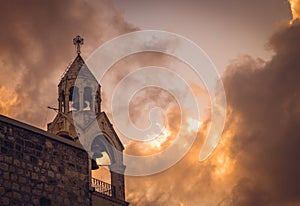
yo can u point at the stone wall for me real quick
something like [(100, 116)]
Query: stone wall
[(38, 168)]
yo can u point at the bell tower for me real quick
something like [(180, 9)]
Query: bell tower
[(79, 118), (72, 98)]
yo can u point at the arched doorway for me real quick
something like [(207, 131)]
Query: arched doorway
[(102, 158)]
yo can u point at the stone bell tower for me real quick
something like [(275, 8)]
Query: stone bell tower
[(72, 98), (79, 118)]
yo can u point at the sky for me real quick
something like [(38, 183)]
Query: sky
[(223, 29), (255, 47)]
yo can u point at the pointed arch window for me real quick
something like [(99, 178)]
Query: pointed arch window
[(62, 100), (87, 99), (74, 99), (102, 159)]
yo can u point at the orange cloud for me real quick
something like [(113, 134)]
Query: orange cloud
[(254, 163), (8, 99), (189, 182), (295, 7), (160, 141), (35, 48)]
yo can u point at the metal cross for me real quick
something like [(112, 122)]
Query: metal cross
[(78, 41)]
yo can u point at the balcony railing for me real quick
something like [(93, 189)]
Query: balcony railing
[(103, 187)]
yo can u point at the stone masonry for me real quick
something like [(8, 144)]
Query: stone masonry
[(38, 168)]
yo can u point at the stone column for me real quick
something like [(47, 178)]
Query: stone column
[(81, 103), (67, 101), (117, 180)]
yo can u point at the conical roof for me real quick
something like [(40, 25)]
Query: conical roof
[(78, 67)]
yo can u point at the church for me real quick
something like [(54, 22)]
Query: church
[(71, 163)]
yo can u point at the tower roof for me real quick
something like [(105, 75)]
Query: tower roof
[(78, 68), (73, 70), (78, 65)]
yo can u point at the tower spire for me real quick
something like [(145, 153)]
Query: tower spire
[(78, 41)]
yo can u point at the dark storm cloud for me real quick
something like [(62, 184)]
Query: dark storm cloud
[(263, 99), (256, 162), (266, 101), (36, 47)]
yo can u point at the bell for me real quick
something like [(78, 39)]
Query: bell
[(85, 105), (97, 155), (75, 105), (98, 148), (94, 165)]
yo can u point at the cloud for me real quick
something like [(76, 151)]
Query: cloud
[(295, 7), (266, 99), (36, 47), (7, 101), (189, 182), (256, 160)]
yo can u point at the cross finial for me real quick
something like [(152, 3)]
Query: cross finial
[(78, 41)]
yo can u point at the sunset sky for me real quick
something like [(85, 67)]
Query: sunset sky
[(255, 46)]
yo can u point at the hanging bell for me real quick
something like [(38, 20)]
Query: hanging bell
[(75, 105), (98, 147), (97, 155), (85, 105), (94, 165)]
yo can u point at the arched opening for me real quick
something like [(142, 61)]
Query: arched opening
[(102, 158), (74, 99), (98, 101), (62, 99), (87, 98), (65, 135)]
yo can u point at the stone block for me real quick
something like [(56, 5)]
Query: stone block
[(17, 162), (17, 196), (13, 177), (2, 191), (50, 173), (15, 186), (6, 175), (36, 192), (35, 176), (7, 184), (22, 180), (4, 201), (8, 159), (3, 166)]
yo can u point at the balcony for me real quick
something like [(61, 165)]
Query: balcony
[(103, 188)]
